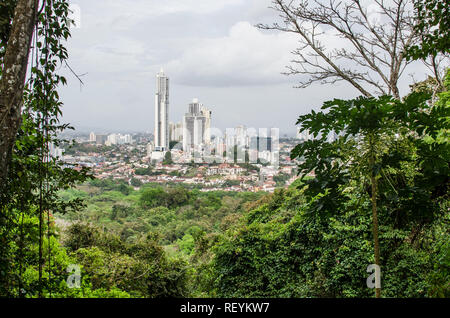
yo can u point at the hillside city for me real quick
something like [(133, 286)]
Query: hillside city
[(130, 161), (190, 152)]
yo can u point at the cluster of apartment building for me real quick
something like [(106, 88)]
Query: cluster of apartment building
[(111, 139), (195, 136)]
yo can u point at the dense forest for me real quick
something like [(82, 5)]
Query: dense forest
[(220, 244), (379, 195)]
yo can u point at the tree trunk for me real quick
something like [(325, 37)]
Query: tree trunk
[(13, 80), (374, 183)]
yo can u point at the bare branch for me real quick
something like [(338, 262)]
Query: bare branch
[(371, 57)]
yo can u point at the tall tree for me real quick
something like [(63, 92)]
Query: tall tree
[(372, 41), (378, 139), (13, 76), (34, 178)]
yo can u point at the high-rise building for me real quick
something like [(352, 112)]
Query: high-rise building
[(101, 139), (178, 135), (92, 137), (162, 112), (118, 139), (220, 146), (149, 149), (207, 114), (261, 143), (171, 131), (196, 124), (111, 140), (241, 136), (176, 131), (55, 151)]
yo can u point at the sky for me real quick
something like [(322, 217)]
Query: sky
[(209, 49)]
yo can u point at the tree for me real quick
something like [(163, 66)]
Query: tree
[(33, 178), (371, 55), (177, 196), (278, 249), (13, 75), (124, 189), (378, 140), (142, 268), (135, 182), (173, 144), (168, 158), (281, 179), (143, 171), (153, 197), (433, 27)]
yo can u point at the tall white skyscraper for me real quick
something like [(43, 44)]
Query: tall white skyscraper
[(162, 112)]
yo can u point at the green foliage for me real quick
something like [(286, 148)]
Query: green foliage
[(136, 182), (187, 244), (311, 240), (120, 211), (316, 241), (393, 125), (167, 158), (173, 143), (281, 179), (143, 171), (433, 25), (140, 268), (230, 183), (309, 255), (35, 179), (6, 16), (124, 189), (438, 280), (158, 196), (153, 197), (74, 148), (81, 236), (185, 221)]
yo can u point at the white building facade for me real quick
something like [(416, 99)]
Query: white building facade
[(196, 127), (162, 112)]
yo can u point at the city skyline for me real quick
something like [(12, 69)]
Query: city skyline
[(216, 52)]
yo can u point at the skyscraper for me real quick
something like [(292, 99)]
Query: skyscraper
[(176, 131), (207, 114), (92, 137), (101, 139), (196, 124), (162, 112)]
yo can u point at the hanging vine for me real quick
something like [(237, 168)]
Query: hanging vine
[(35, 177)]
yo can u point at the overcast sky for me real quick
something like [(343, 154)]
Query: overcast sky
[(210, 49)]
